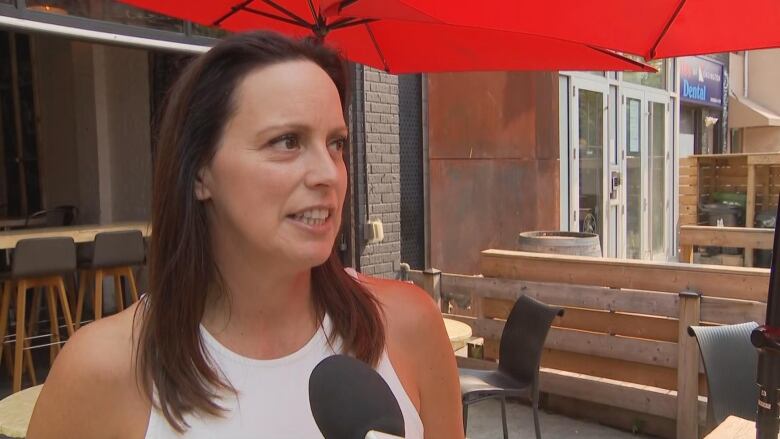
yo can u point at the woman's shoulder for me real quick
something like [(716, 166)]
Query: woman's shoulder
[(409, 310), (421, 354), (103, 348), (93, 377)]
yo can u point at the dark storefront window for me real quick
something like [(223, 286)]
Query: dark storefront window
[(18, 135), (107, 10), (113, 17), (206, 31), (701, 126), (736, 140), (164, 69)]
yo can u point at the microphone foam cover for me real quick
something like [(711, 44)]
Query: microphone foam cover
[(348, 398)]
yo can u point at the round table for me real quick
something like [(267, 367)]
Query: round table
[(16, 411), (458, 332)]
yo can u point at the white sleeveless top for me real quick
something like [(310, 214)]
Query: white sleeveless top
[(273, 395)]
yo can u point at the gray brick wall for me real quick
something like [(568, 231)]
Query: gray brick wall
[(383, 171)]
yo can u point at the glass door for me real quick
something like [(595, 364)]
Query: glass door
[(588, 155), (647, 170), (635, 202)]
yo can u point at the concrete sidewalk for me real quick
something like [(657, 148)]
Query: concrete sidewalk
[(485, 423)]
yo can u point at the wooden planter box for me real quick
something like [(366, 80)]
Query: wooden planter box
[(755, 175)]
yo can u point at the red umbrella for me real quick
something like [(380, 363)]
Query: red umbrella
[(398, 46), (653, 28)]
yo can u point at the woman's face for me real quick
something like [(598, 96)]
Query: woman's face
[(276, 185)]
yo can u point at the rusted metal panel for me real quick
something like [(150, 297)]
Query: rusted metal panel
[(481, 204), (493, 162), (493, 115)]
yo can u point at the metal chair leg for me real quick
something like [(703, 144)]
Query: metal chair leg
[(503, 417), (465, 417), (535, 405)]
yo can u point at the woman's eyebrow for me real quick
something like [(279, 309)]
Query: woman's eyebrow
[(297, 127), (278, 128), (340, 131)]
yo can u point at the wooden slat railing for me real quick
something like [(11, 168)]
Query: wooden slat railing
[(739, 237), (619, 342)]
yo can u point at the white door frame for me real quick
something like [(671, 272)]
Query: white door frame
[(668, 173), (627, 94), (575, 85)]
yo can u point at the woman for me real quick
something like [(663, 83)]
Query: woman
[(246, 293)]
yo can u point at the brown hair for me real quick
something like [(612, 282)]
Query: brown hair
[(171, 356)]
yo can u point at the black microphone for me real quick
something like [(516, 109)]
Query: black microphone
[(767, 339), (349, 400)]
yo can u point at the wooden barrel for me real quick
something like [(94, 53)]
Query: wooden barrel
[(562, 243)]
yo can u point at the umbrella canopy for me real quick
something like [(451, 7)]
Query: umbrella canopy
[(394, 45), (653, 29)]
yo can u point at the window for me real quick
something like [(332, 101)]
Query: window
[(164, 69), (206, 31), (736, 140), (107, 10), (19, 185), (655, 80)]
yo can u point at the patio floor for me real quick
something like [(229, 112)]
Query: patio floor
[(485, 423)]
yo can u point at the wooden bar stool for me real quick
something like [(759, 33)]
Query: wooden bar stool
[(113, 254), (37, 263)]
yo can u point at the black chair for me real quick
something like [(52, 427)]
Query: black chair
[(520, 355), (730, 362), (112, 254), (37, 263), (64, 215)]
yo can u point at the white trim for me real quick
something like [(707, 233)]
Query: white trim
[(591, 84), (564, 138), (426, 170), (102, 37), (745, 74)]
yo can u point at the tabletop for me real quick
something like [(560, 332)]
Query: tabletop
[(16, 411), (734, 427), (80, 233), (458, 332)]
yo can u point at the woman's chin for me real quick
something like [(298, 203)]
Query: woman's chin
[(311, 259)]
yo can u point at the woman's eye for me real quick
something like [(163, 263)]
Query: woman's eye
[(286, 142), (339, 144)]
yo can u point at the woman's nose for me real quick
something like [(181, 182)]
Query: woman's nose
[(324, 167)]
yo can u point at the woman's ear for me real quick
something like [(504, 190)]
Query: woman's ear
[(202, 192)]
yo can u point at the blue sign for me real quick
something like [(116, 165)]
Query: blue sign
[(701, 81)]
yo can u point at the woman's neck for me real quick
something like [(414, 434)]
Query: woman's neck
[(261, 313)]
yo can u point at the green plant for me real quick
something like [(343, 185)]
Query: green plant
[(638, 426)]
